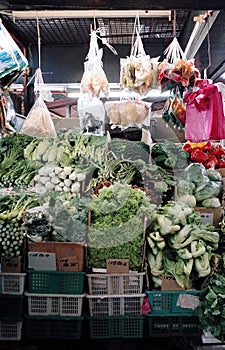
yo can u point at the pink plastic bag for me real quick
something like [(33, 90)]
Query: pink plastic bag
[(204, 113)]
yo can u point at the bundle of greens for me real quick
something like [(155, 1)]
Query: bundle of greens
[(180, 245), (15, 171), (68, 215), (204, 184), (211, 307), (117, 225), (12, 231), (170, 155)]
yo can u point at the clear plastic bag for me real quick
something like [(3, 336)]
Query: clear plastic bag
[(94, 81), (128, 113), (39, 122), (91, 113), (138, 72), (41, 88)]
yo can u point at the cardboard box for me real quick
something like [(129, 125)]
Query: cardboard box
[(11, 264), (210, 215), (63, 250), (169, 283)]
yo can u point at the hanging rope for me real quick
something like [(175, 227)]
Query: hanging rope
[(174, 24), (39, 42), (174, 51), (208, 48)]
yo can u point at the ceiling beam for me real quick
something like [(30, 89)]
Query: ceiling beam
[(112, 4)]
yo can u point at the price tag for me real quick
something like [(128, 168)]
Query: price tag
[(117, 265)]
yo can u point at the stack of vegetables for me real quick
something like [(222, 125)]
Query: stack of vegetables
[(61, 217), (15, 171), (180, 245), (51, 177), (204, 185), (207, 153), (117, 225), (211, 307), (12, 207), (170, 155)]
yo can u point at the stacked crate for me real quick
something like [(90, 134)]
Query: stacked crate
[(55, 303), (173, 313), (115, 305), (11, 305)]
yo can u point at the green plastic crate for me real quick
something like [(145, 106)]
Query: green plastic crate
[(116, 327), (53, 327), (11, 307), (164, 302), (56, 282), (167, 326)]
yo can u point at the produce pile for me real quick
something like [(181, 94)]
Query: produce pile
[(209, 154), (204, 184), (170, 155), (211, 307), (180, 245), (12, 232), (15, 170), (117, 225)]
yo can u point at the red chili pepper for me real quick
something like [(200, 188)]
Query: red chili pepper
[(218, 150), (199, 156), (212, 162)]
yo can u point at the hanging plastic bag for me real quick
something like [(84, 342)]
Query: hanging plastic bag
[(128, 113), (204, 113), (40, 87), (91, 115), (94, 81), (174, 111), (12, 61), (175, 68), (138, 72), (6, 122), (39, 122)]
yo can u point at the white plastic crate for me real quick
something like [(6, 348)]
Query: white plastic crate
[(12, 283), (10, 330), (115, 305), (54, 304), (129, 283)]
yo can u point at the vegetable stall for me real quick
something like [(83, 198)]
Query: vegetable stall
[(121, 214)]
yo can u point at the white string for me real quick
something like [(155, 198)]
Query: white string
[(39, 43)]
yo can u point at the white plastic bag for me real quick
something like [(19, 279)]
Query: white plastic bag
[(91, 115), (39, 122), (138, 72), (41, 88), (128, 113), (94, 81)]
